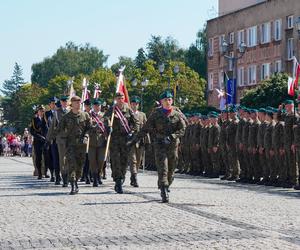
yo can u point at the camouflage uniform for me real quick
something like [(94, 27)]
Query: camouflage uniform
[(245, 136), (268, 148), (260, 143), (240, 153), (167, 129), (223, 148), (213, 141), (74, 128), (204, 144), (278, 146), (119, 151), (295, 170), (254, 169)]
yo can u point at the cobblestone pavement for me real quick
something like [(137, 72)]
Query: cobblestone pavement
[(202, 214)]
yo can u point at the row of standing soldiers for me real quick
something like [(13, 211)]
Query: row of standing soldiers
[(245, 145)]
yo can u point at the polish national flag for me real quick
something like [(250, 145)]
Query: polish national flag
[(121, 87), (291, 86), (97, 91)]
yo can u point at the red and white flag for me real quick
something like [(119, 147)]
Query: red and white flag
[(97, 91), (121, 87), (85, 92), (293, 81)]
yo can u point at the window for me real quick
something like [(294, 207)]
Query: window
[(252, 74), (265, 71), (221, 80), (240, 79), (265, 33), (230, 62), (211, 81), (231, 38), (252, 36), (290, 48), (210, 47), (277, 30), (277, 66), (290, 22), (221, 40), (241, 37)]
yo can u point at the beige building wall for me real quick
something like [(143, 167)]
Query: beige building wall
[(227, 6)]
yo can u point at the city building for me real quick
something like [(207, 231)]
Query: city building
[(269, 33), (227, 6)]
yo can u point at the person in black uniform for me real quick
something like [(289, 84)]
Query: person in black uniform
[(38, 129), (53, 149)]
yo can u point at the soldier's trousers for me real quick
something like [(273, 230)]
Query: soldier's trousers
[(273, 167), (119, 157), (136, 155), (195, 158), (166, 157), (243, 170), (255, 166), (40, 154), (215, 160), (225, 160), (206, 160), (263, 163), (281, 166), (62, 158), (268, 162), (246, 163), (233, 164), (292, 168), (96, 159), (55, 158), (75, 156)]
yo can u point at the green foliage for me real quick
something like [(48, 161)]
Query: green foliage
[(12, 85), (271, 92), (71, 60)]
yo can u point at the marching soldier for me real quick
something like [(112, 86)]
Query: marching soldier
[(268, 148), (57, 136), (75, 124), (38, 130), (137, 151), (124, 125), (97, 143), (223, 146), (168, 125)]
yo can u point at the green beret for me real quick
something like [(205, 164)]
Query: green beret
[(87, 102), (64, 98), (97, 102), (254, 111), (135, 99), (262, 110), (289, 101), (166, 94)]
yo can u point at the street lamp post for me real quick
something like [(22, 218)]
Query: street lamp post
[(144, 84), (161, 69), (233, 59)]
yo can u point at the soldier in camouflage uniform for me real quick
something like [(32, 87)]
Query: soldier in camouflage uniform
[(195, 146), (97, 143), (231, 131), (137, 151), (268, 148), (54, 134), (223, 145), (291, 166), (213, 146), (124, 125), (245, 137), (260, 142), (75, 125), (239, 145), (168, 125), (204, 144), (296, 148)]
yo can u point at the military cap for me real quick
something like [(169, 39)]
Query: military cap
[(262, 110), (119, 94), (87, 102), (289, 101), (166, 94), (269, 112), (40, 107), (135, 99), (64, 98), (52, 99), (275, 110), (232, 109), (97, 102), (75, 98), (58, 104), (254, 111)]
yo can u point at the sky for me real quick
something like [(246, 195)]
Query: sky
[(31, 30)]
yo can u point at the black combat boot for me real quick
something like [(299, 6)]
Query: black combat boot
[(99, 180), (76, 187), (164, 194), (95, 180), (57, 180), (72, 188), (135, 183), (104, 172), (118, 186), (65, 180)]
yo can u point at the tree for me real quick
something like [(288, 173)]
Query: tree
[(71, 60), (271, 92), (140, 59), (160, 50), (12, 85), (124, 61), (195, 56)]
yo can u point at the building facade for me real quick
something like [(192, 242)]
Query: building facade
[(227, 6), (269, 30)]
